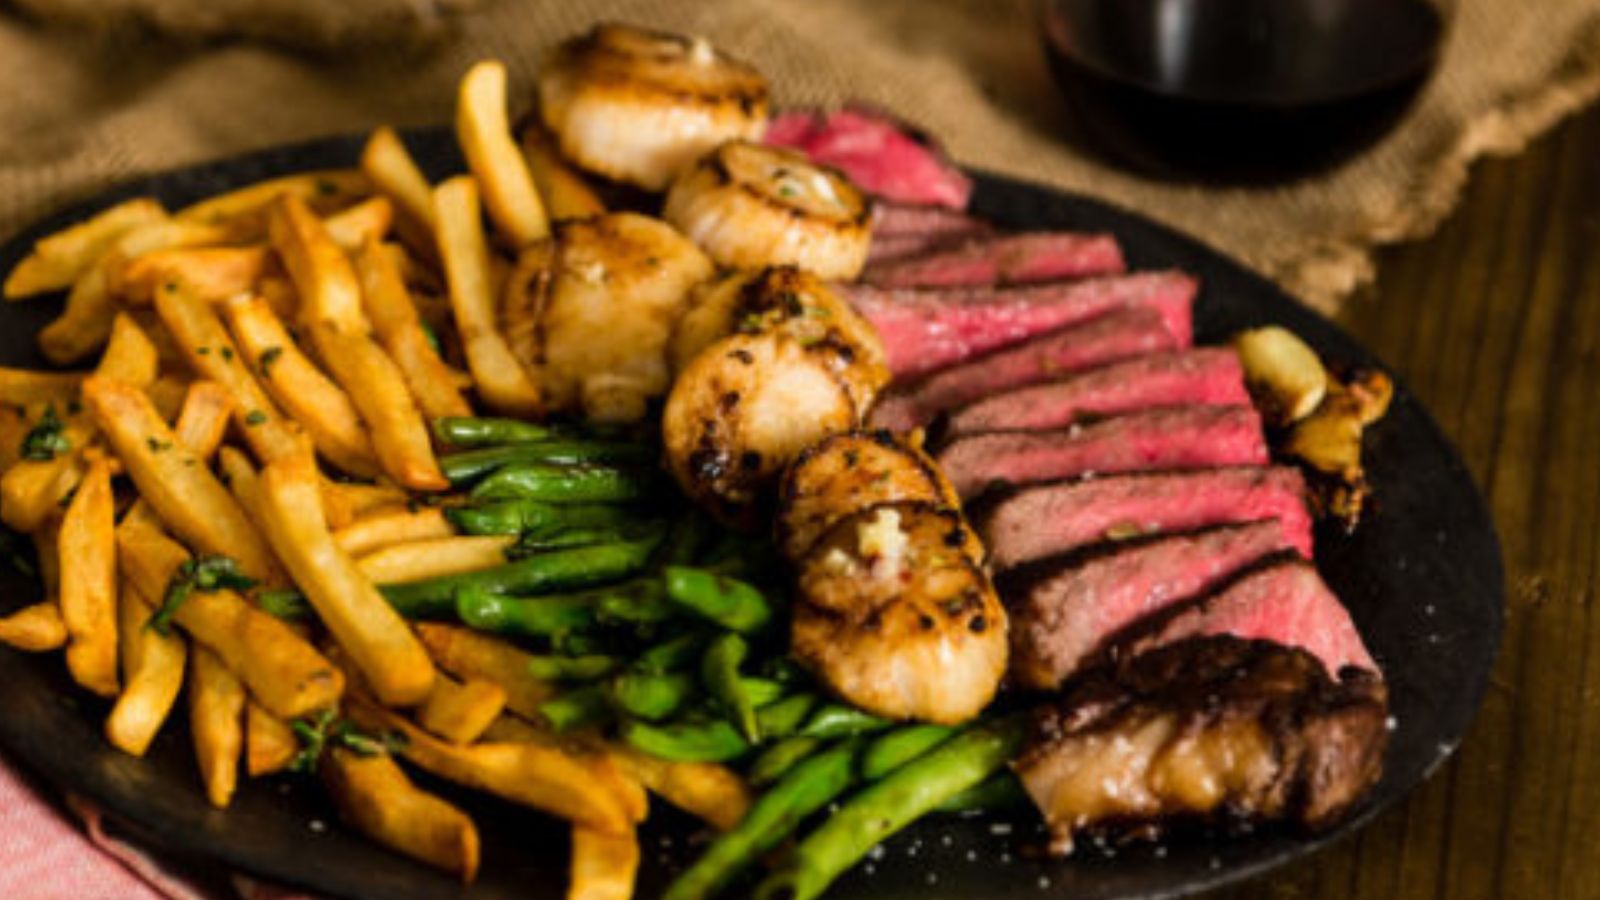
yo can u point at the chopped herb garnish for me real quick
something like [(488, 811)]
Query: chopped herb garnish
[(319, 732), (203, 351), (267, 358), (46, 439), (255, 417), (157, 446), (326, 188), (206, 572), (227, 354), (431, 335)]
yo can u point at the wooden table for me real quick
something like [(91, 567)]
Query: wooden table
[(1495, 323)]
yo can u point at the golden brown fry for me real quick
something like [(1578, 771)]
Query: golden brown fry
[(213, 273), (435, 558), (62, 258), (344, 501), (241, 479), (459, 711), (627, 789), (34, 628), (280, 295), (88, 553), (130, 356), (392, 525), (196, 327), (203, 421), (174, 480), (603, 865), (24, 387), (709, 791), (216, 722), (391, 169), (484, 134), (167, 394), (399, 434), (282, 670), (269, 743), (467, 654), (499, 377), (389, 305), (152, 674), (365, 626), (33, 489), (325, 191), (576, 787), (310, 397), (566, 195), (322, 274), (368, 220), (376, 797)]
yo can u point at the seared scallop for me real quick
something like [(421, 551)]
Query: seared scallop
[(895, 617), (751, 205), (640, 106)]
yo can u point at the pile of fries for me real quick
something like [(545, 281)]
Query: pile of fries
[(247, 411)]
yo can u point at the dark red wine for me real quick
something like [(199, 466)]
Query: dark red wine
[(1239, 89)]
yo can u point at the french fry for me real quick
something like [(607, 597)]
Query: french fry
[(628, 790), (241, 479), (484, 134), (576, 787), (469, 655), (375, 796), (500, 379), (62, 258), (287, 675), (603, 865), (269, 743), (369, 220), (392, 525), (196, 327), (322, 274), (152, 674), (435, 558), (34, 628), (323, 409), (203, 421), (216, 722), (566, 195), (280, 295), (399, 434), (174, 480), (346, 501), (130, 356), (213, 273), (25, 387), (33, 489), (167, 394), (88, 553), (435, 386), (365, 626), (708, 791), (325, 191), (391, 169), (459, 711)]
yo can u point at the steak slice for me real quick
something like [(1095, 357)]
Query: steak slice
[(1212, 729), (1287, 602), (1179, 437), (1064, 611), (1004, 259), (1048, 519), (881, 155), (931, 328), (1208, 375), (891, 219), (1118, 334)]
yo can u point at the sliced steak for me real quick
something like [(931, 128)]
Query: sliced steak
[(1064, 611), (1285, 602), (1119, 334), (1209, 375), (891, 219), (1004, 259), (1210, 730), (1048, 519), (887, 247), (931, 328), (881, 155), (1179, 437)]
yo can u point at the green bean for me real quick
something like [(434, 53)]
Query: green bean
[(465, 431), (642, 601), (886, 806), (284, 603), (762, 691), (650, 697), (575, 709), (1000, 791), (434, 598), (784, 717), (719, 671), (900, 746), (553, 483), (534, 517), (713, 741), (523, 616), (809, 786), (779, 758), (470, 465), (571, 668), (834, 720), (566, 538), (670, 655), (732, 604)]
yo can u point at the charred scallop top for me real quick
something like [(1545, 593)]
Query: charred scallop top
[(626, 55)]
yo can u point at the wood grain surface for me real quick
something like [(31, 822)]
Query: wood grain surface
[(1495, 323)]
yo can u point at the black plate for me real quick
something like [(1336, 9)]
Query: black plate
[(1422, 577)]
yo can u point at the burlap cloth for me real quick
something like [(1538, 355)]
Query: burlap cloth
[(84, 107)]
